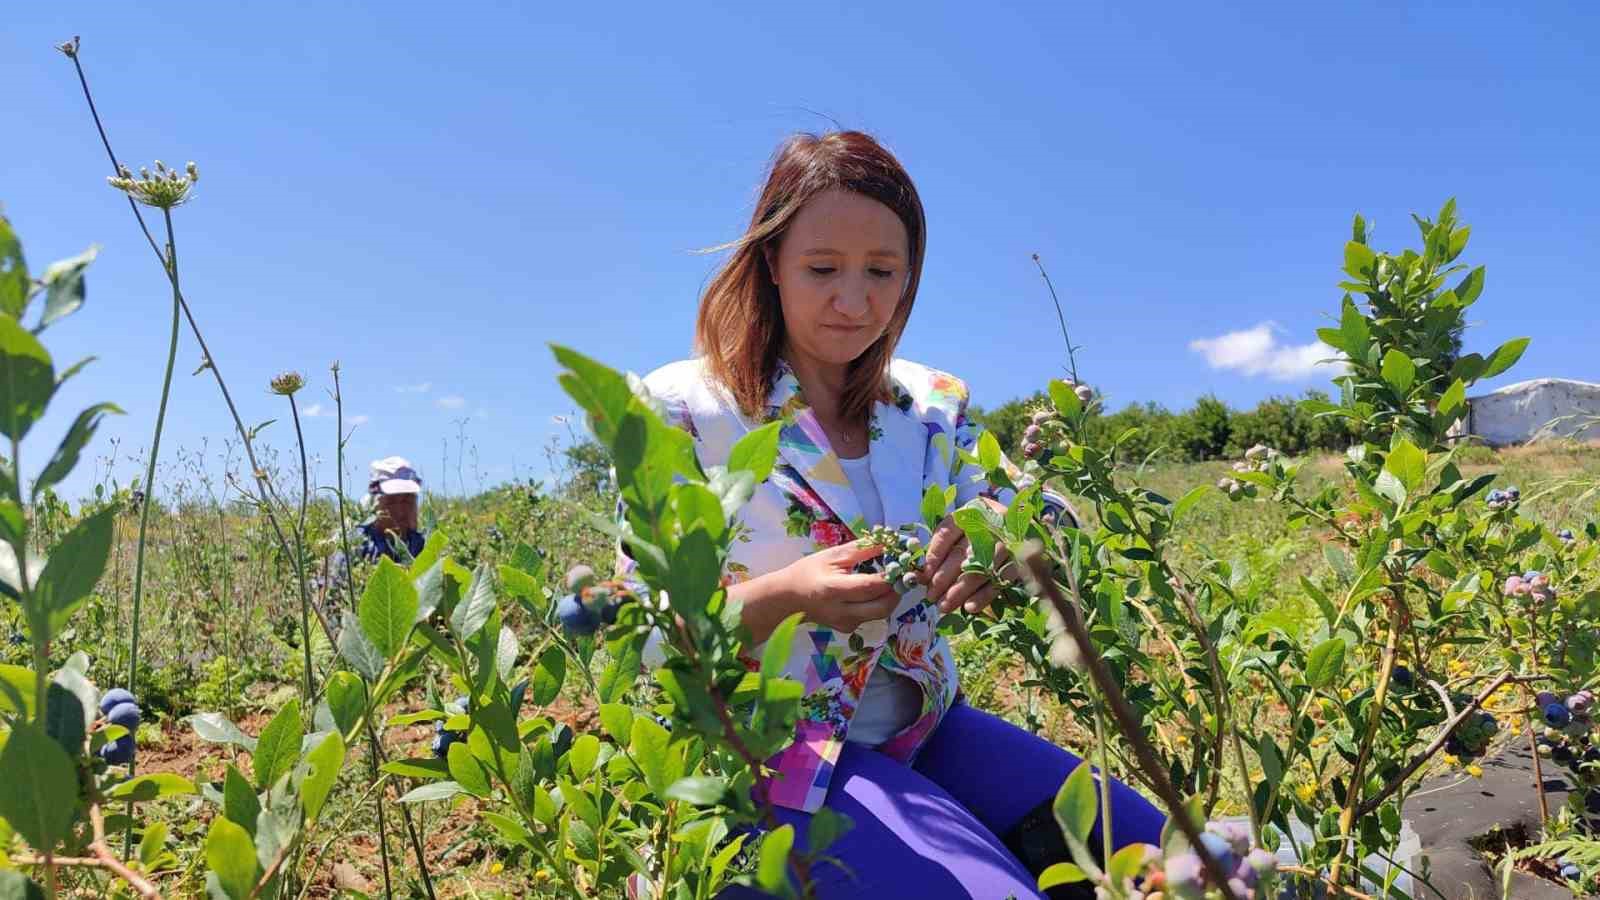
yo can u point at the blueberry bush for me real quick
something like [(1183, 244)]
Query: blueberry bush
[(1281, 704)]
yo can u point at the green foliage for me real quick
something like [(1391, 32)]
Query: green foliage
[(1208, 430), (1415, 571)]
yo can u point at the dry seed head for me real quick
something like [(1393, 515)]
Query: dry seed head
[(288, 383), (70, 48)]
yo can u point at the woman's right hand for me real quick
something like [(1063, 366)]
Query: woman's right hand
[(826, 588)]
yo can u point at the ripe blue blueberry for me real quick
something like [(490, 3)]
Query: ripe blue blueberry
[(1220, 849), (114, 697), (1556, 715), (1545, 698), (118, 752), (1571, 872), (442, 740), (1403, 678), (575, 617), (119, 708), (1566, 535)]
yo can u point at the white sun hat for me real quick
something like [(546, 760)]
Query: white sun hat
[(393, 475)]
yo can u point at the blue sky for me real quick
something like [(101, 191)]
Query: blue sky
[(430, 194)]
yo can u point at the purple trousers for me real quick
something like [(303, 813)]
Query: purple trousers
[(933, 830)]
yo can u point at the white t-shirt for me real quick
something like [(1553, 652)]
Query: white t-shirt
[(889, 703)]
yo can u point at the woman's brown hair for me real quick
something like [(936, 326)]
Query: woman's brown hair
[(739, 330)]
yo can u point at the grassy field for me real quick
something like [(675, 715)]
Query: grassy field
[(220, 628)]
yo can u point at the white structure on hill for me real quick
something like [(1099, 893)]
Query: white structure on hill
[(1533, 410)]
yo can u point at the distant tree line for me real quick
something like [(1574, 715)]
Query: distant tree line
[(1208, 430)]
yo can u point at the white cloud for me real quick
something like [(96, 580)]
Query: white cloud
[(314, 410), (451, 401), (360, 420), (422, 388), (1257, 351)]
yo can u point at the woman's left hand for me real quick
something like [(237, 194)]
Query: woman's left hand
[(948, 586)]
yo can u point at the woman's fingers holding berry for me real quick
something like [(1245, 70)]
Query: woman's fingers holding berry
[(982, 598), (854, 614), (965, 593), (943, 542), (864, 588), (1008, 569), (849, 554), (943, 575)]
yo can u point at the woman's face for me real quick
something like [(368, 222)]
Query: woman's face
[(840, 268)]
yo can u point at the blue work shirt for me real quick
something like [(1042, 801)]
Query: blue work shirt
[(367, 545), (375, 543)]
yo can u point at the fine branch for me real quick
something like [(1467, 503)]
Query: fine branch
[(1038, 564)]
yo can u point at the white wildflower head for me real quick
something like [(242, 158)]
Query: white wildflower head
[(164, 189)]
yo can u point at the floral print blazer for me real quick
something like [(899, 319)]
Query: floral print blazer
[(804, 507)]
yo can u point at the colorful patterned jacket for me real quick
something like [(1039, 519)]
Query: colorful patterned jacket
[(804, 507)]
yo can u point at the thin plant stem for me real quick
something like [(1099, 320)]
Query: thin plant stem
[(1379, 697), (263, 487), (344, 537), (1105, 783), (1072, 359), (1538, 774), (300, 552), (1127, 721), (344, 522), (377, 799), (39, 637), (170, 260)]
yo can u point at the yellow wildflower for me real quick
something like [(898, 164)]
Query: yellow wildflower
[(1475, 770), (1450, 759), (1306, 792), (497, 868)]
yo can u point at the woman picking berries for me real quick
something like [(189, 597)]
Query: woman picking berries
[(800, 324)]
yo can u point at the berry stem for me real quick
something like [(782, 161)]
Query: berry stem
[(1072, 360), (300, 551), (1371, 805), (1538, 774), (1379, 696), (1127, 720)]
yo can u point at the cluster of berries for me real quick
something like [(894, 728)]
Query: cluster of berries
[(1033, 437), (443, 738), (1533, 586), (1259, 458), (1567, 733), (589, 602), (902, 557), (1505, 499), (1566, 536), (1569, 869), (1473, 735), (1182, 876), (119, 708)]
